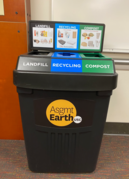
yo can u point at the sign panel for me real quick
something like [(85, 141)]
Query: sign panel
[(68, 36), (90, 37), (70, 113), (42, 35)]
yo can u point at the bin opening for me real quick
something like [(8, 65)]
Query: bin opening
[(39, 53), (66, 54), (92, 55)]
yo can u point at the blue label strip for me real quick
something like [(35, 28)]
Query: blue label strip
[(60, 65)]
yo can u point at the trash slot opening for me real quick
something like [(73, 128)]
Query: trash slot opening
[(92, 55), (66, 54), (39, 53)]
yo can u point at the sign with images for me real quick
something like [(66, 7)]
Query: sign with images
[(90, 37), (43, 35), (66, 36), (59, 36)]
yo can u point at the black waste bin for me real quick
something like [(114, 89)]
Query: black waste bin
[(63, 114)]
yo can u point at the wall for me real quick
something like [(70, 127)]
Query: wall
[(118, 109), (119, 103), (116, 34), (40, 9), (113, 13), (13, 42)]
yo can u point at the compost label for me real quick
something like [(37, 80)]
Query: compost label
[(97, 66), (61, 112)]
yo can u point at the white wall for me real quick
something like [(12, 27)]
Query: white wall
[(113, 13), (119, 102), (41, 10)]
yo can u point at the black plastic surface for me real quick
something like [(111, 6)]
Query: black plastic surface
[(41, 77), (65, 81), (38, 54), (59, 150), (62, 149)]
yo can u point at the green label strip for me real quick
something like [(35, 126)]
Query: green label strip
[(97, 66)]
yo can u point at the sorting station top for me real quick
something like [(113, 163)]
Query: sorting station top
[(66, 36), (65, 71)]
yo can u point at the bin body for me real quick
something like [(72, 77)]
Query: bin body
[(64, 93), (63, 149), (53, 145)]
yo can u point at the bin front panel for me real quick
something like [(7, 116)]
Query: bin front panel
[(62, 149)]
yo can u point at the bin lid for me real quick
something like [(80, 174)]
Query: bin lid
[(66, 36), (77, 74)]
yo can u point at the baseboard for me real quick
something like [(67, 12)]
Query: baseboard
[(116, 128)]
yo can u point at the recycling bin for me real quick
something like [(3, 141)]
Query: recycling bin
[(64, 86), (64, 102)]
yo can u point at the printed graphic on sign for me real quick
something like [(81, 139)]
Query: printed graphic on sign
[(61, 112), (65, 113), (66, 36), (97, 66), (43, 37), (61, 65), (90, 37)]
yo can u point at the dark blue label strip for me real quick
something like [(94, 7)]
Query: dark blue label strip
[(61, 65)]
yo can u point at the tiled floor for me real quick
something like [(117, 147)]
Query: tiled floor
[(113, 162)]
